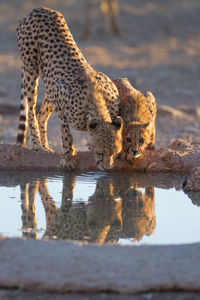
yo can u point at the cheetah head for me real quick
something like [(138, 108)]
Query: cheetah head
[(136, 138), (105, 140)]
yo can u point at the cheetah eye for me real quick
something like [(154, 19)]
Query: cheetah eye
[(141, 141), (93, 124), (128, 140)]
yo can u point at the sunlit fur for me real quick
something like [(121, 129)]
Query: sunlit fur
[(105, 141), (79, 94), (139, 114)]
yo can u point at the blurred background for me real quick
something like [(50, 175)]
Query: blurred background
[(156, 44)]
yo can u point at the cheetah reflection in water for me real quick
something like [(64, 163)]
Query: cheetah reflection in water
[(116, 210)]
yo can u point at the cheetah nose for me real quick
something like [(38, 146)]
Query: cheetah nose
[(135, 153)]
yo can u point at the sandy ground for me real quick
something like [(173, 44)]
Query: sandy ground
[(158, 50)]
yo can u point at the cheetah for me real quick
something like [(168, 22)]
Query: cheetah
[(82, 97), (139, 115), (109, 10)]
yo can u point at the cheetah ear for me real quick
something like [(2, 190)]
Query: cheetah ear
[(118, 123), (150, 95)]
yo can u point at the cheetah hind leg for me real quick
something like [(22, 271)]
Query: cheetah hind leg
[(68, 161), (43, 117), (27, 110)]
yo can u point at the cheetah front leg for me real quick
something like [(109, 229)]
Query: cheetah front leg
[(68, 160)]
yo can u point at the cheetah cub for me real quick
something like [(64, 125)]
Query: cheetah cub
[(139, 115), (83, 98)]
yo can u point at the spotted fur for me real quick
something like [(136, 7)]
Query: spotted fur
[(139, 115), (83, 98)]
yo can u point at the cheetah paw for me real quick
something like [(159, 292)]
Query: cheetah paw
[(38, 148), (48, 149), (68, 165)]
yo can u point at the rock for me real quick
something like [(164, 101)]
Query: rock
[(166, 111), (194, 196), (191, 181), (185, 145), (190, 110)]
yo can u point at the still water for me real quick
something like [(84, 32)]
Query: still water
[(126, 208)]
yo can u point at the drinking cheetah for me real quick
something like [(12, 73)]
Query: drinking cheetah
[(139, 115), (82, 97)]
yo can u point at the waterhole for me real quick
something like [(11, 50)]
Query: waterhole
[(125, 208)]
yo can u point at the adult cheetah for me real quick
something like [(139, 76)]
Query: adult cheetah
[(83, 98)]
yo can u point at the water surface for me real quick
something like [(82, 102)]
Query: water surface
[(125, 208)]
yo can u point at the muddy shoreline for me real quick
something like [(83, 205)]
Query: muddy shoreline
[(180, 157)]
